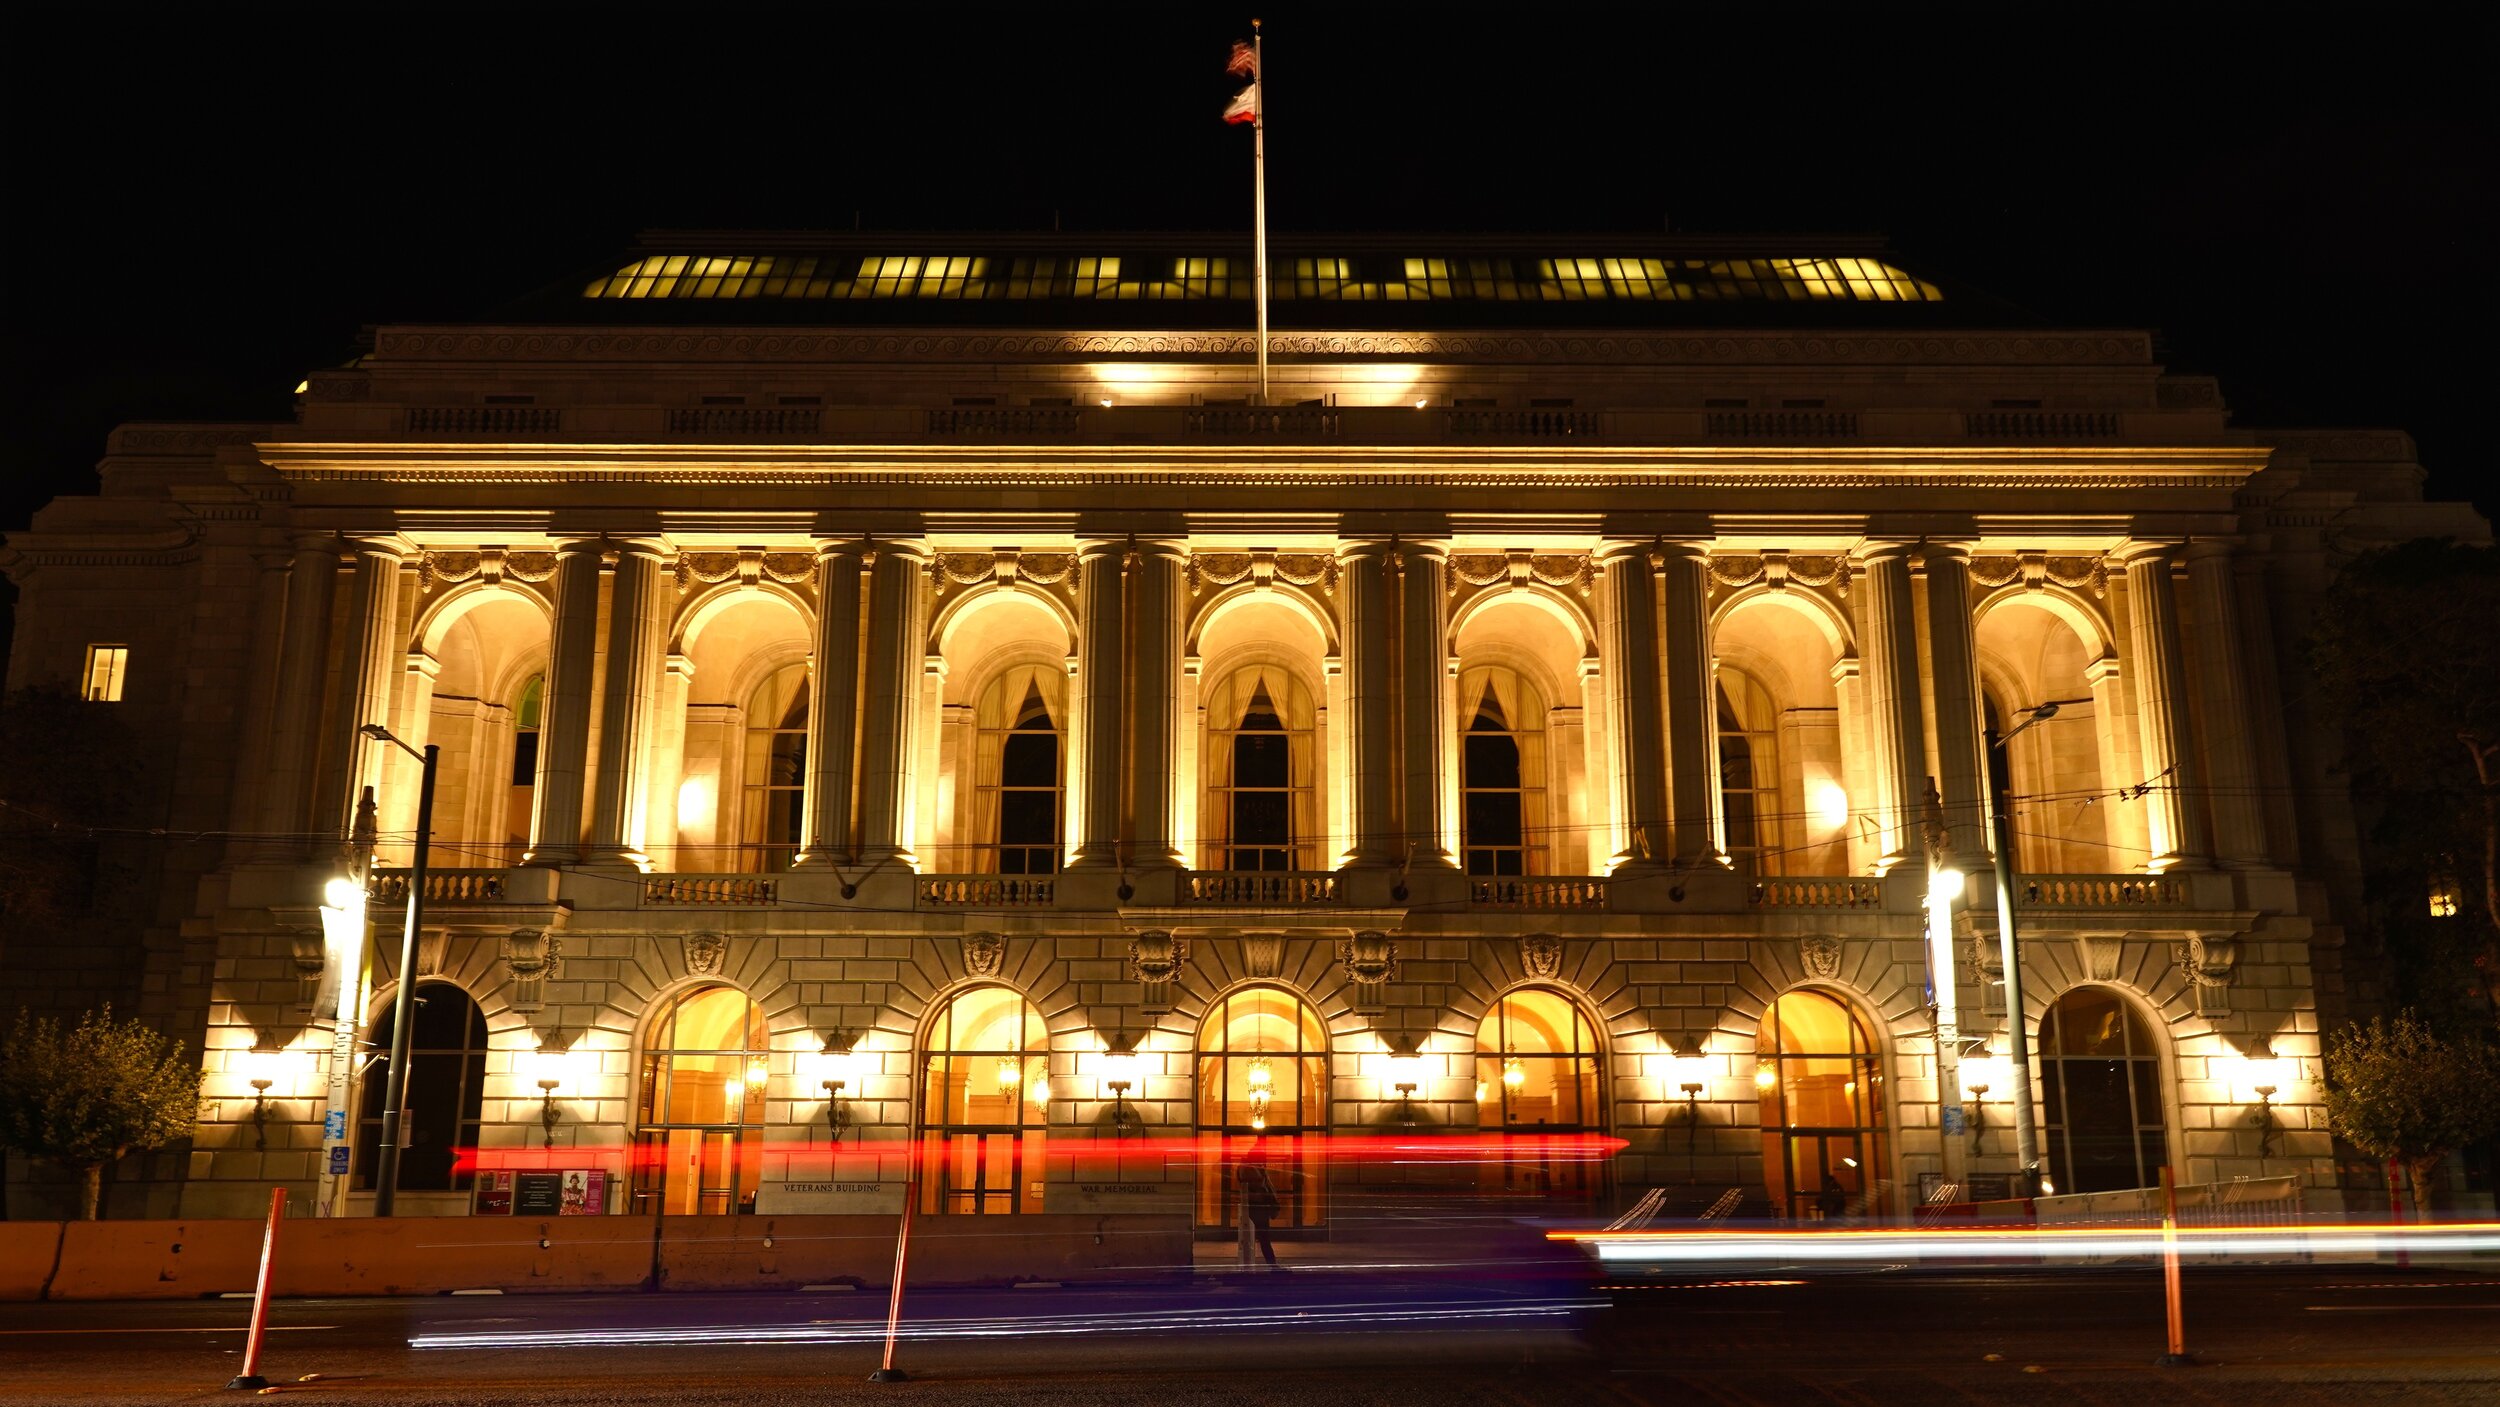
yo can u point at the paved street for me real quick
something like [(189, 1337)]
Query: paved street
[(2351, 1335)]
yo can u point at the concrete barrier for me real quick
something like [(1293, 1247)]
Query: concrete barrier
[(28, 1250), (189, 1259)]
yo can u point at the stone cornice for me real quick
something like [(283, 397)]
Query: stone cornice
[(1352, 467), (598, 345)]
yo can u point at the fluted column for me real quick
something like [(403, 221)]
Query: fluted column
[(1953, 673), (1896, 724), (833, 704), (2223, 698), (564, 715), (1155, 593), (1691, 703), (259, 702), (1371, 762), (628, 708), (373, 661), (1101, 704), (2172, 813), (898, 596), (1635, 718), (1423, 580), (303, 667)]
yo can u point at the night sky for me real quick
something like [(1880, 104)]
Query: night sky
[(2300, 200)]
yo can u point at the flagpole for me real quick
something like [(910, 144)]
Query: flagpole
[(1258, 199)]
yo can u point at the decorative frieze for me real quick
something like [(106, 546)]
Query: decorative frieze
[(1567, 572), (2038, 571), (1779, 571), (493, 566), (1262, 570), (748, 567), (1008, 569)]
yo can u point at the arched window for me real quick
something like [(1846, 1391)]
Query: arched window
[(1262, 763), (699, 1110), (1502, 744), (984, 1103), (1537, 1073), (446, 1081), (1017, 771), (1263, 1092), (776, 771), (1749, 774), (1821, 1083), (523, 790), (2100, 1080)]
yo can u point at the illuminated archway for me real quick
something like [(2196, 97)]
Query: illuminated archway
[(1263, 1092), (699, 1105), (984, 1105), (2101, 1089), (1821, 1081)]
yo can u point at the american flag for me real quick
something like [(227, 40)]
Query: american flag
[(1245, 61)]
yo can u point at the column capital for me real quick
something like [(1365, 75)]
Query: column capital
[(1933, 550), (2144, 550), (1885, 549), (848, 545), (2208, 549)]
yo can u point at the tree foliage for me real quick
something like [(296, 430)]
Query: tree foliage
[(2406, 655), (2398, 1090), (84, 1096)]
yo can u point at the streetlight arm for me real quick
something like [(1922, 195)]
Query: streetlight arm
[(381, 734)]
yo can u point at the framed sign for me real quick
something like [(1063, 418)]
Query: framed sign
[(494, 1194)]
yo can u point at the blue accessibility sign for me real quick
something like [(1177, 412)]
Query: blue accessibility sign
[(338, 1161)]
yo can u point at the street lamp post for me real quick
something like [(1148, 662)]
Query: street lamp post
[(404, 1000), (2017, 1039)]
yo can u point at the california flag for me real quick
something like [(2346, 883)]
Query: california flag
[(1244, 64)]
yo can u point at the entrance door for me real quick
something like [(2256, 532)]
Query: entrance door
[(980, 1171), (1292, 1159), (1820, 1164), (693, 1172)]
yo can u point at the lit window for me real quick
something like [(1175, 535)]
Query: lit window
[(106, 664), (2444, 896)]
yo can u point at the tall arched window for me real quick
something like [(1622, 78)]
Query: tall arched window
[(1016, 770), (1536, 1074), (522, 792), (699, 1110), (446, 1080), (775, 773), (984, 1104), (1263, 1092), (1262, 763), (2100, 1080), (1821, 1081), (1502, 743), (1749, 774)]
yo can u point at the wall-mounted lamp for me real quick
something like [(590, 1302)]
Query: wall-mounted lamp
[(836, 1069), (1981, 1072), (1119, 1075), (1406, 1075), (2263, 1075), (551, 1068), (261, 1068)]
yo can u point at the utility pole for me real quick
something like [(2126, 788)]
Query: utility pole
[(2017, 1037), (1944, 885), (342, 994), (404, 997)]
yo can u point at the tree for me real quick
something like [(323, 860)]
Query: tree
[(2399, 1092), (89, 1095), (2407, 658)]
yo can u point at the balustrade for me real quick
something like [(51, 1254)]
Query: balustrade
[(1266, 888), (1574, 892), (724, 890), (985, 891), (441, 886)]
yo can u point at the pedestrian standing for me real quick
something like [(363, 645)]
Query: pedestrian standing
[(1258, 1205)]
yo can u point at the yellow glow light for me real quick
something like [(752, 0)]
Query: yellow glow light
[(1261, 1078), (1764, 1077), (1010, 1075), (1514, 1074), (1831, 806), (695, 804)]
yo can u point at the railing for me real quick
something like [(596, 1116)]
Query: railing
[(2041, 424), (1817, 894), (1576, 892), (441, 886), (484, 420), (745, 423), (1004, 420), (985, 891), (1262, 888), (1525, 424), (1783, 424), (2099, 891), (726, 890), (1302, 422)]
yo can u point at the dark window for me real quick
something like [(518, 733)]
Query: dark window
[(2100, 1085), (1028, 792), (446, 1083), (1262, 799), (1495, 816)]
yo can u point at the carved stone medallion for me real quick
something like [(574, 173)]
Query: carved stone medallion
[(985, 954), (1541, 955), (704, 954), (1821, 954)]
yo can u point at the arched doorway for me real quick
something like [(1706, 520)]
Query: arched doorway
[(2100, 1082), (984, 1105), (445, 1095), (1821, 1084), (699, 1109), (1263, 1089), (1537, 1076)]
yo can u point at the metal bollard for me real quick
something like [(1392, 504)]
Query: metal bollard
[(250, 1378)]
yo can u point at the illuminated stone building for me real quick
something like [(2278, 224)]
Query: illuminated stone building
[(924, 662)]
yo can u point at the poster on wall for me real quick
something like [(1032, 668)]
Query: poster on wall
[(494, 1194), (537, 1193), (585, 1193)]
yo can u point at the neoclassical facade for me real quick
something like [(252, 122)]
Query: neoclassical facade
[(920, 719)]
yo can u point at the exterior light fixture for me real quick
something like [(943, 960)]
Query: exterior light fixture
[(837, 1069), (342, 892), (1119, 1075), (549, 1068), (1944, 884), (1106, 403), (1406, 1075), (1514, 1074), (1831, 806), (261, 1068), (1765, 1078), (2263, 1074), (1981, 1072), (2444, 896)]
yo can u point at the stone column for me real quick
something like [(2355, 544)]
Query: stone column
[(1896, 725), (564, 711), (1100, 705), (1691, 704), (1371, 763), (1635, 718), (1953, 671), (372, 663), (1155, 595), (1423, 578), (898, 629), (668, 766), (2223, 701), (303, 668), (629, 707), (2172, 811), (833, 705)]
